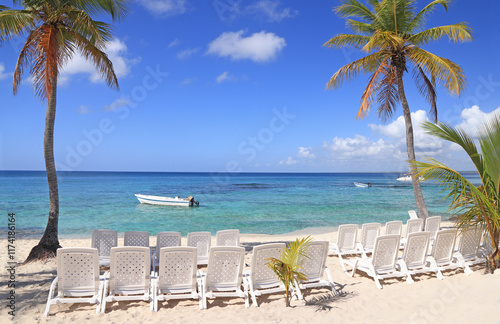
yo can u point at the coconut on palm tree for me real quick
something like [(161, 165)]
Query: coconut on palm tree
[(391, 32), (474, 205), (55, 30)]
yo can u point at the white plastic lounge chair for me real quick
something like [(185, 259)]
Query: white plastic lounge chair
[(382, 263), (415, 258), (468, 248), (77, 278), (413, 214), (164, 239), (224, 274), (442, 251), (369, 232), (229, 237), (432, 225), (136, 238), (176, 276), (314, 267), (346, 242), (393, 227), (261, 279), (412, 226), (129, 276), (103, 241), (201, 241)]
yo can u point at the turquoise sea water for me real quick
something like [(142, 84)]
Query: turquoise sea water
[(269, 203)]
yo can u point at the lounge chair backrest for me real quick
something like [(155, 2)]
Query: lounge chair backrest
[(412, 214), (136, 238), (165, 239), (433, 224), (260, 272), (177, 269), (129, 270), (229, 237), (369, 232), (444, 244), (469, 241), (416, 248), (201, 241), (77, 272), (313, 265), (103, 241), (347, 237), (225, 267), (414, 225), (393, 227), (385, 252)]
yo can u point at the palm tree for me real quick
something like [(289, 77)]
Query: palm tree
[(393, 35), (288, 266), (55, 30), (474, 205)]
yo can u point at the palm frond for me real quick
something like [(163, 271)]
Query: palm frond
[(347, 40), (97, 57), (459, 32), (420, 18), (459, 137), (426, 89), (354, 8), (350, 71), (382, 40), (489, 140), (14, 23), (117, 9), (450, 74), (388, 95)]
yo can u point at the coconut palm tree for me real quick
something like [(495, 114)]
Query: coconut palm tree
[(55, 30), (392, 33), (474, 205), (288, 266)]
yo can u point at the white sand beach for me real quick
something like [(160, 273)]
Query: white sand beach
[(456, 299)]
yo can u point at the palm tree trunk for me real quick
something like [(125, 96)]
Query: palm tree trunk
[(419, 198), (49, 243)]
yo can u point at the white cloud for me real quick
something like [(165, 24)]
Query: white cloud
[(289, 161), (225, 76), (83, 110), (116, 51), (164, 7), (258, 47), (187, 81), (386, 149), (306, 153), (3, 75), (473, 119), (173, 43), (270, 10), (182, 55), (120, 102)]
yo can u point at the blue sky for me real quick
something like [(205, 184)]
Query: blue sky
[(239, 85)]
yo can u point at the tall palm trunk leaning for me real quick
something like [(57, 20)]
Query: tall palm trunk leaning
[(55, 30), (392, 33)]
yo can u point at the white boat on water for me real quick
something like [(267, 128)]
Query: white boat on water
[(407, 177), (362, 185), (167, 201)]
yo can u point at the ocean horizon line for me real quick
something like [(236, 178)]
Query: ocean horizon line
[(225, 172)]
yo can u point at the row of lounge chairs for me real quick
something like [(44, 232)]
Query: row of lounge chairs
[(104, 240), (177, 275), (426, 249)]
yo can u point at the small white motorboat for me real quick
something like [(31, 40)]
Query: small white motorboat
[(362, 185), (167, 201)]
